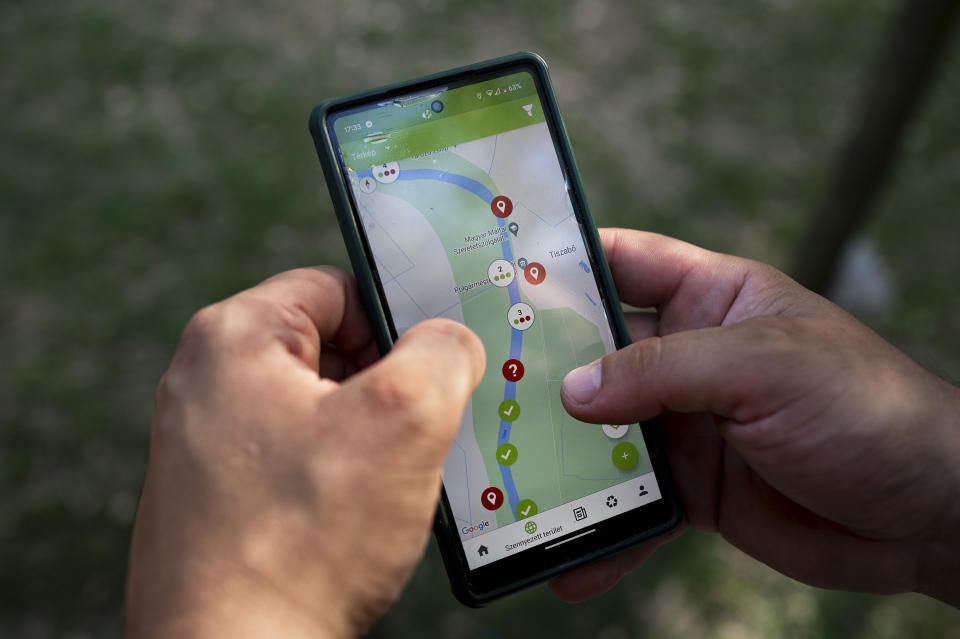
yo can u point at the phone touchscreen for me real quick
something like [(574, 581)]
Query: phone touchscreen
[(464, 205)]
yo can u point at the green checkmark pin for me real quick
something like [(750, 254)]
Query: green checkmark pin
[(526, 508), (625, 455), (509, 410), (506, 454)]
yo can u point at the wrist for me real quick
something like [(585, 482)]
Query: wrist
[(195, 581), (939, 564), (940, 571), (229, 603)]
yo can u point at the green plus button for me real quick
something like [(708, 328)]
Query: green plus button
[(625, 455)]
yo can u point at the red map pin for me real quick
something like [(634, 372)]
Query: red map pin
[(492, 498), (535, 273), (513, 370), (501, 206)]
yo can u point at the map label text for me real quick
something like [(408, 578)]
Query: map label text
[(563, 251)]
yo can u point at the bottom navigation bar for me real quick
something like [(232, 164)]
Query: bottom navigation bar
[(548, 526)]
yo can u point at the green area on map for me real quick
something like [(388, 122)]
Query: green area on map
[(555, 458)]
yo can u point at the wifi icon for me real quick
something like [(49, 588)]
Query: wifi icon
[(489, 92)]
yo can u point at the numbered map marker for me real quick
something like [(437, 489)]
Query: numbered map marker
[(512, 370), (506, 454), (615, 432), (492, 498), (501, 273), (514, 228), (386, 173), (535, 273), (520, 316), (501, 206), (508, 410)]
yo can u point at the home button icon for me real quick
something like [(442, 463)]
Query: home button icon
[(482, 550)]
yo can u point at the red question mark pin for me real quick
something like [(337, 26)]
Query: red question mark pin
[(512, 370)]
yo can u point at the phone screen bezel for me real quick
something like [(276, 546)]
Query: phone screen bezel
[(480, 585)]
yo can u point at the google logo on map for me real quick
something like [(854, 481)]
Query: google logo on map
[(466, 530)]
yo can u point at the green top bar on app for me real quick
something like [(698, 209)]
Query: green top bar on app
[(408, 127)]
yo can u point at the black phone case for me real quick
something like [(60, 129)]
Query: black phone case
[(444, 529)]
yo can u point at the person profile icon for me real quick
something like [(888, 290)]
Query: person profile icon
[(643, 491)]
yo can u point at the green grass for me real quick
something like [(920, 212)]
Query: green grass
[(154, 158)]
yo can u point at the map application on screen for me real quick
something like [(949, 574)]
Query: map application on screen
[(465, 207)]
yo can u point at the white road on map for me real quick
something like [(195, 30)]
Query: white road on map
[(419, 282)]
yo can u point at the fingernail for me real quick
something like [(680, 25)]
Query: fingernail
[(582, 384)]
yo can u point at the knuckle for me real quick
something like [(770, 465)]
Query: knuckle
[(457, 343), (776, 340), (422, 412), (163, 391), (237, 321), (198, 343), (168, 394), (448, 329), (295, 330), (757, 274), (769, 329), (201, 328), (462, 336), (398, 395), (645, 356), (764, 271)]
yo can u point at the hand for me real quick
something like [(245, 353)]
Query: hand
[(280, 502), (793, 430)]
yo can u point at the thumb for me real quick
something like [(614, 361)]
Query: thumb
[(411, 401), (731, 371)]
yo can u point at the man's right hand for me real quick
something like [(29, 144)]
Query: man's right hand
[(801, 436), (283, 502)]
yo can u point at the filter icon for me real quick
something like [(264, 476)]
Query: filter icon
[(529, 109)]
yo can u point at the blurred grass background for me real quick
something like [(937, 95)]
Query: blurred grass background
[(154, 158)]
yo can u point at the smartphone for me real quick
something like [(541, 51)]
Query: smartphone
[(458, 197)]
